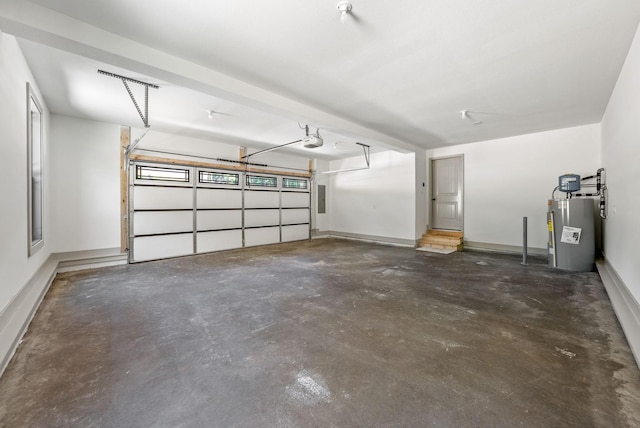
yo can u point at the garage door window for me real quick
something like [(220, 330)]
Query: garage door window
[(219, 178), (144, 172), (294, 183), (261, 181)]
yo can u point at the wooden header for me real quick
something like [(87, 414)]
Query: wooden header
[(247, 168)]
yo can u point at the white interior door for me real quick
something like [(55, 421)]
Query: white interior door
[(447, 193)]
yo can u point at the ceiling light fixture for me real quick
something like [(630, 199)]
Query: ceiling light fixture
[(344, 7)]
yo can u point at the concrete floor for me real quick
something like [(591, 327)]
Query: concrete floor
[(324, 333)]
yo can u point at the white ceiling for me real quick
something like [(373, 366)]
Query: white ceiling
[(72, 86), (393, 75)]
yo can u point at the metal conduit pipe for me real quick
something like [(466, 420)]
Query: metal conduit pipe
[(600, 191), (524, 241)]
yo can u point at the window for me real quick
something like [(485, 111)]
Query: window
[(262, 181), (34, 167), (294, 183), (162, 174), (219, 178)]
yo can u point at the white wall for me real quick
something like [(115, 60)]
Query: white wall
[(422, 193), (180, 144), (281, 160), (322, 221), (85, 187), (212, 149), (511, 178), (621, 159), (85, 172), (377, 202), (23, 279), (16, 267)]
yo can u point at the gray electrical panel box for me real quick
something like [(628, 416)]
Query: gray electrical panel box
[(322, 199), (569, 183)]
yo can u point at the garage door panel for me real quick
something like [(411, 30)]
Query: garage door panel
[(261, 236), (156, 197), (295, 199), (220, 240), (165, 223), (295, 216), (222, 219), (261, 199), (219, 198), (151, 222), (160, 247), (295, 233), (254, 218)]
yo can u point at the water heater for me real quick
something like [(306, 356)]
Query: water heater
[(571, 234)]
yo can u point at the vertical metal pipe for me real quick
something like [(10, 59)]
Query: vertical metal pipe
[(280, 211), (553, 238), (524, 241)]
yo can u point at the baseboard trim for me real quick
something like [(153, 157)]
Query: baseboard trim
[(624, 305), (319, 234), (385, 240), (16, 317), (18, 314), (92, 259), (499, 248)]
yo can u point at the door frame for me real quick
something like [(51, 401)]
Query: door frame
[(430, 205)]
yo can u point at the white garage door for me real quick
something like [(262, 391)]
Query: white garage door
[(181, 210)]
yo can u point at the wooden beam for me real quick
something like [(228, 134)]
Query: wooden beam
[(125, 137), (248, 168)]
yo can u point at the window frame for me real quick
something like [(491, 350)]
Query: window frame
[(268, 186), (140, 167), (299, 180), (35, 172), (202, 172)]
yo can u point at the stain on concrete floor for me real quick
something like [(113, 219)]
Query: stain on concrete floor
[(324, 333)]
